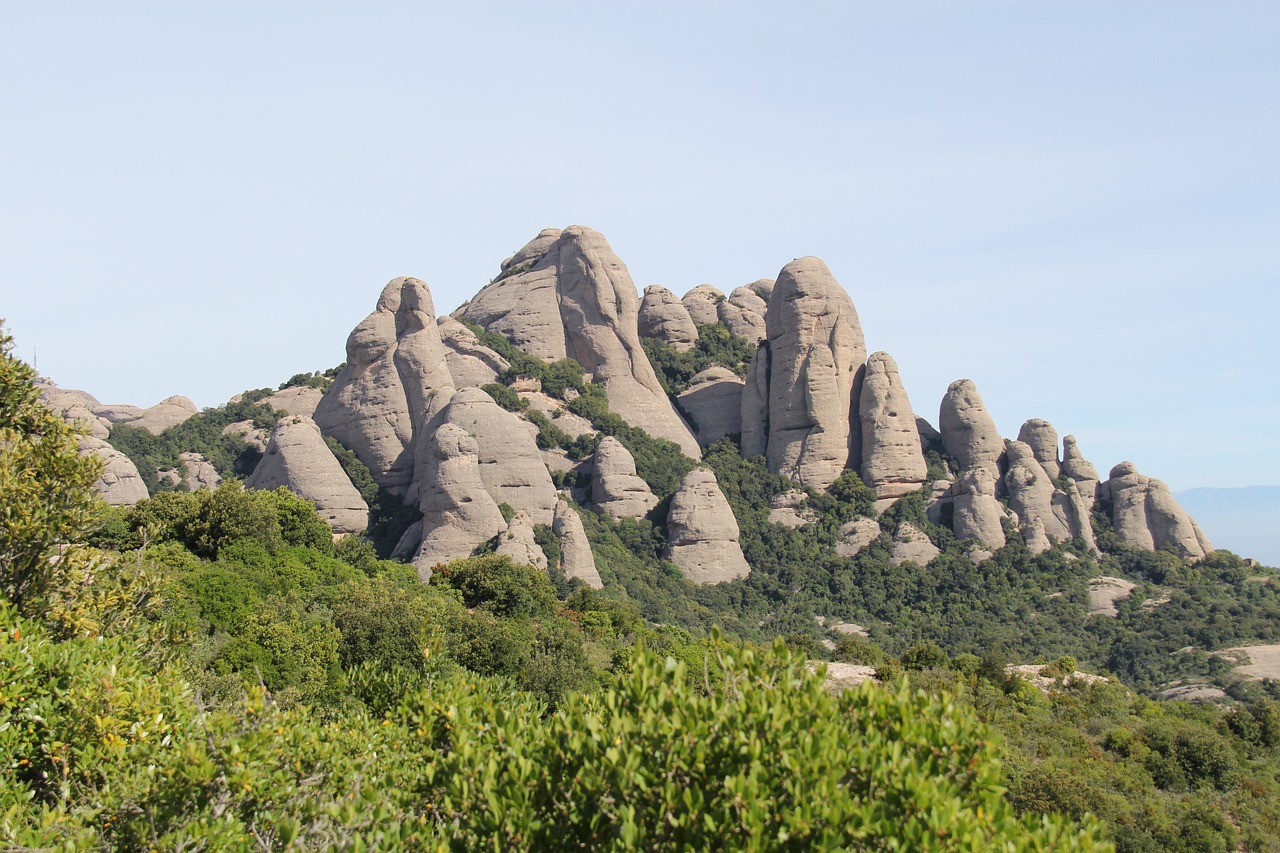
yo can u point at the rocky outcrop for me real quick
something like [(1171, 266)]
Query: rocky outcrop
[(743, 314), (518, 542), (249, 434), (471, 363), (701, 304), (510, 465), (809, 371), (1042, 438), (77, 408), (576, 559), (1080, 470), (790, 510), (458, 514), (1105, 591), (298, 459), (892, 461), (117, 412), (975, 512), (713, 402), (663, 316), (200, 474), (300, 400), (856, 535), (968, 432), (169, 412), (1032, 494), (616, 490), (578, 301), (702, 533), (119, 483), (1145, 514), (911, 545), (395, 363)]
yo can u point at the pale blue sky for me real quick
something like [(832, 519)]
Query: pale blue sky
[(1076, 204)]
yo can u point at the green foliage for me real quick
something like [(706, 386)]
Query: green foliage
[(310, 380), (389, 516), (505, 397), (499, 585), (660, 463), (716, 345), (46, 496)]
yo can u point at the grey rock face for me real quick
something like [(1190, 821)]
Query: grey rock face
[(701, 303), (578, 301), (532, 251), (616, 490), (743, 314), (471, 363), (663, 316), (77, 408), (1042, 438), (1081, 470), (713, 401), (576, 559), (250, 434), (458, 514), (509, 462), (169, 412), (892, 462), (298, 459), (1146, 515), (117, 412), (1032, 494), (200, 474), (911, 545), (299, 400), (968, 432), (789, 510), (811, 368), (702, 532), (976, 514), (119, 483), (395, 363), (856, 535), (519, 544)]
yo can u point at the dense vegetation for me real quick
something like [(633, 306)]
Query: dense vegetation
[(716, 346)]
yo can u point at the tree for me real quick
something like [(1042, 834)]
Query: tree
[(46, 486)]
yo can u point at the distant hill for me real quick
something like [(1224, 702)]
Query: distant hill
[(1244, 520)]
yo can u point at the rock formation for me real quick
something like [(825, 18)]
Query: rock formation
[(576, 559), (248, 433), (975, 512), (518, 542), (471, 363), (77, 408), (169, 412), (663, 316), (298, 459), (811, 368), (616, 490), (892, 461), (458, 514), (200, 473), (119, 483), (395, 362), (509, 462), (743, 314), (1081, 470), (117, 412), (702, 533), (299, 400), (1032, 494), (577, 300), (1145, 514), (968, 432), (713, 402), (913, 546), (856, 535), (1042, 438), (701, 303)]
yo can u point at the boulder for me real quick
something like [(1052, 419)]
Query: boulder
[(576, 559), (810, 372), (169, 412), (298, 459), (458, 514), (702, 533), (578, 301), (471, 363), (911, 545), (518, 542), (117, 412), (663, 316), (743, 314), (395, 364), (701, 303), (789, 510), (892, 461), (1036, 538), (975, 512), (616, 490), (1145, 514), (856, 535), (1042, 438), (300, 400), (200, 473), (510, 464), (1081, 470), (968, 432), (119, 484), (1032, 495), (713, 402), (76, 408)]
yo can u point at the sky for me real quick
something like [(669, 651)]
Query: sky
[(1075, 204)]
